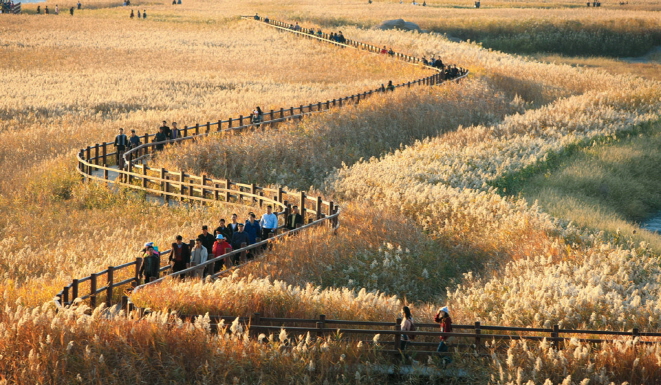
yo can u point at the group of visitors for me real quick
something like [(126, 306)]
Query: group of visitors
[(56, 11), (123, 143), (6, 6), (225, 238), (433, 62), (441, 317), (165, 133), (598, 4), (142, 15), (387, 51)]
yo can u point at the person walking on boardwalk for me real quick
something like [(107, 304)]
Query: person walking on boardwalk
[(257, 116), (390, 86), (132, 14), (199, 255), (207, 239), (442, 317), (268, 222), (234, 225), (180, 256), (144, 13), (71, 11), (239, 237), (151, 263), (57, 9), (222, 229), (121, 141), (160, 138), (220, 247), (134, 140), (252, 228), (174, 132), (407, 325), (294, 219), (166, 129), (139, 15), (80, 6), (239, 240)]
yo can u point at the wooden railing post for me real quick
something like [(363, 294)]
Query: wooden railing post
[(280, 194), (282, 113), (144, 176), (65, 296), (243, 256), (398, 336), (163, 185), (320, 332), (185, 130), (93, 290), (478, 331), (302, 205), (104, 152), (319, 207), (74, 290), (208, 127), (220, 125), (240, 120), (229, 123), (203, 182), (96, 154), (254, 323), (111, 281), (197, 128), (105, 171), (138, 265), (181, 185), (125, 303), (554, 335)]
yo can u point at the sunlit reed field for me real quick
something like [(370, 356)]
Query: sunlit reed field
[(428, 179)]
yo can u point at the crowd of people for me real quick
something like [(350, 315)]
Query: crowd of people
[(225, 238), (6, 6)]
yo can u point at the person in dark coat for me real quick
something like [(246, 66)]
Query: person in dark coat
[(240, 237), (121, 141), (150, 265), (180, 256), (294, 219), (224, 230), (160, 139), (207, 239)]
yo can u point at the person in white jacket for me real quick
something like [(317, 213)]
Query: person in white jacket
[(199, 255)]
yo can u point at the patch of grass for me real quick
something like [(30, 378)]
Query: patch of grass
[(609, 186)]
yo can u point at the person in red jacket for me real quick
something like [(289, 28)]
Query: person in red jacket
[(443, 318), (219, 248)]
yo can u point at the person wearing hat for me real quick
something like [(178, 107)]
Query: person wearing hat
[(220, 248), (443, 318), (151, 263)]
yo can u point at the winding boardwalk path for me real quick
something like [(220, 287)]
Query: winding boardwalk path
[(169, 186)]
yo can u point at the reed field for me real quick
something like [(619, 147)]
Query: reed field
[(512, 195)]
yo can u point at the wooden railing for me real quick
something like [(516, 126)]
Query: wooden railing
[(469, 339), (94, 161)]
